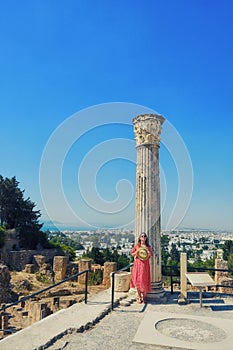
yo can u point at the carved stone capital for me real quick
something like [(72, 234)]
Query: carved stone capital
[(147, 128)]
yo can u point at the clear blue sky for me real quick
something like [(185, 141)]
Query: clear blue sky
[(175, 57)]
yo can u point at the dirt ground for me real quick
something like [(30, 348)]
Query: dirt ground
[(24, 284)]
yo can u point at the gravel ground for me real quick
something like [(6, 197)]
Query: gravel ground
[(117, 330)]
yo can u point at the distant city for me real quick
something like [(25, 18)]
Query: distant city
[(59, 226), (203, 243)]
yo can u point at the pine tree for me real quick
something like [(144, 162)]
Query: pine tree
[(19, 213)]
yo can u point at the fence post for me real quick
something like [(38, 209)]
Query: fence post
[(113, 285), (183, 278), (171, 280), (86, 284)]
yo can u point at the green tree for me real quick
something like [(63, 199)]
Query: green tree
[(227, 249), (230, 261), (164, 249), (209, 263), (107, 255), (60, 238), (174, 258), (122, 261), (69, 250), (19, 213), (100, 257), (96, 255)]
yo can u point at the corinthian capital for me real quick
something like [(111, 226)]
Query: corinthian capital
[(147, 128)]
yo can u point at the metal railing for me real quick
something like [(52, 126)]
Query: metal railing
[(50, 287), (174, 271), (113, 282)]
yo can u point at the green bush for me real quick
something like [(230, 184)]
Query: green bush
[(95, 278), (2, 236)]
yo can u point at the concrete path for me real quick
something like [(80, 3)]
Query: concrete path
[(121, 329)]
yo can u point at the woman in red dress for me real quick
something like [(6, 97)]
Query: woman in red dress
[(141, 269)]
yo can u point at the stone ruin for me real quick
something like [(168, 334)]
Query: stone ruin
[(60, 267), (29, 311), (222, 277), (43, 269), (11, 241), (5, 286)]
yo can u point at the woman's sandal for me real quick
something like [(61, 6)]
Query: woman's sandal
[(139, 301), (143, 300)]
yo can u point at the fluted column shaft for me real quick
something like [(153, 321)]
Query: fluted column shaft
[(147, 130)]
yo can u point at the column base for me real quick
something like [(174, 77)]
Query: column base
[(157, 293), (182, 300)]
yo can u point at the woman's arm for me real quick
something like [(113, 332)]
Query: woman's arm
[(134, 250)]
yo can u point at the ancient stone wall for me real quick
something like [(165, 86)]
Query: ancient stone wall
[(43, 268), (17, 260)]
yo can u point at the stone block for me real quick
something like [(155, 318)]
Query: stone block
[(109, 267), (39, 260), (60, 267), (84, 264), (29, 268), (220, 264), (226, 282), (122, 281)]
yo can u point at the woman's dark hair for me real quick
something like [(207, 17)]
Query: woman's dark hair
[(146, 240)]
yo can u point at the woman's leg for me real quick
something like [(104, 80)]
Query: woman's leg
[(140, 299), (144, 297)]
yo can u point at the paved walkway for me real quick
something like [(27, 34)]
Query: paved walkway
[(110, 330), (117, 330)]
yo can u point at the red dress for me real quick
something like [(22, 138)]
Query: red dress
[(141, 273)]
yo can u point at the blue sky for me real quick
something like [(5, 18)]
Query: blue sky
[(174, 57)]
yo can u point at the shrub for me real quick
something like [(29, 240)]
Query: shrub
[(2, 236), (95, 278)]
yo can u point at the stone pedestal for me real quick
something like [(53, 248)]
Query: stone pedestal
[(183, 279), (122, 281), (59, 267), (84, 264), (147, 130), (109, 267)]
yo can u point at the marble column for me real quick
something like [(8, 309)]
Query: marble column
[(147, 128)]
